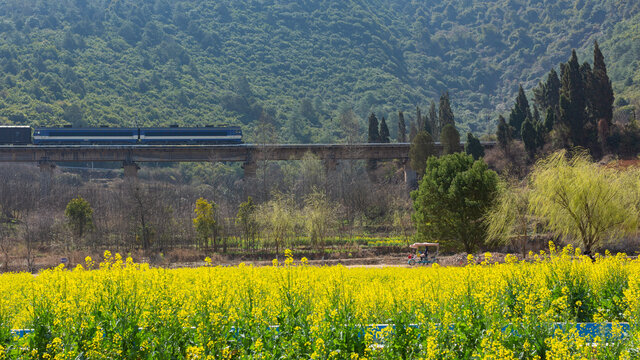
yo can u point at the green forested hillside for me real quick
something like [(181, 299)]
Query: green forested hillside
[(294, 66)]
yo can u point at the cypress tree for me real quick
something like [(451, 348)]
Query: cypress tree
[(402, 128), (547, 94), (473, 147), (503, 134), (419, 119), (590, 127), (536, 114), (374, 135), (384, 131), (587, 82), (421, 148), (553, 90), (519, 113), (427, 125), (541, 133), (539, 125), (445, 114), (550, 119), (450, 140), (433, 120), (413, 131), (529, 137), (602, 92), (573, 101)]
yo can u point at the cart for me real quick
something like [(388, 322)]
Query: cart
[(426, 253)]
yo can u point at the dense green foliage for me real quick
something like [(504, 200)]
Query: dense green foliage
[(79, 216), (473, 147), (520, 113), (579, 112), (402, 128), (293, 67), (503, 133), (450, 139), (384, 131), (374, 132), (448, 182), (421, 149)]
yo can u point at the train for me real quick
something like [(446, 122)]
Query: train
[(174, 135)]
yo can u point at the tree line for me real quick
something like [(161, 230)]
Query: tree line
[(574, 109), (288, 204), (465, 206), (437, 125), (556, 193)]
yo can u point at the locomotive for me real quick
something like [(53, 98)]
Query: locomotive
[(174, 135)]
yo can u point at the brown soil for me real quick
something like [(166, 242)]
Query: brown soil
[(371, 258)]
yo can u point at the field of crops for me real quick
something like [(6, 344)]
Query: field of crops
[(295, 311)]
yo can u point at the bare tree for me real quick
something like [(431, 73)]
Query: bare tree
[(7, 239)]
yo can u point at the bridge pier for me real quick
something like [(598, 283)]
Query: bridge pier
[(410, 175), (46, 176), (130, 170), (250, 169), (330, 164)]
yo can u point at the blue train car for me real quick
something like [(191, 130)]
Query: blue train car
[(199, 135), (79, 136)]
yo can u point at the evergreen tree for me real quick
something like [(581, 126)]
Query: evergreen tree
[(587, 82), (450, 140), (503, 134), (536, 114), (529, 137), (402, 128), (413, 131), (572, 101), (473, 147), (602, 92), (541, 129), (384, 131), (541, 134), (374, 135), (79, 217), (452, 200), (519, 113), (419, 119), (421, 148), (549, 120), (433, 120), (427, 125), (590, 127), (445, 114), (547, 94)]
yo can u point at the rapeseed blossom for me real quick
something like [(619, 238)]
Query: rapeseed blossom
[(487, 310)]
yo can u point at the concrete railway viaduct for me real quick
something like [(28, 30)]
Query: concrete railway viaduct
[(249, 154)]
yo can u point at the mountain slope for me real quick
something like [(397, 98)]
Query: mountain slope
[(291, 65)]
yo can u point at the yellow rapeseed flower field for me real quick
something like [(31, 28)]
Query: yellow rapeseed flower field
[(118, 309)]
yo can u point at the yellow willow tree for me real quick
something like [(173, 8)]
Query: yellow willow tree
[(320, 215), (509, 219), (583, 201), (278, 218)]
